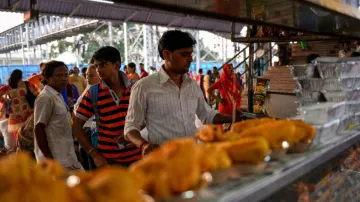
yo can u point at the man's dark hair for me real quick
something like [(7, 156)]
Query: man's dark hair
[(41, 64), (107, 53), (200, 71), (355, 54), (174, 40), (141, 63), (50, 68), (208, 72), (311, 57), (132, 65), (83, 70)]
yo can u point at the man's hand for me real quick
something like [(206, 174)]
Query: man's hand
[(149, 148), (100, 161)]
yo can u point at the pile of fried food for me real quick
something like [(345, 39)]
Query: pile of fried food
[(262, 133), (177, 166), (26, 181)]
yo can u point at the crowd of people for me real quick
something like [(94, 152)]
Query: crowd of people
[(95, 119)]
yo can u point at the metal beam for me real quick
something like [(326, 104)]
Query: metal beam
[(131, 16), (75, 10), (175, 21)]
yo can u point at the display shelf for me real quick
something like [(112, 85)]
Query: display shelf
[(278, 174)]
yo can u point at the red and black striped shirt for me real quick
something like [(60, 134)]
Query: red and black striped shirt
[(112, 112)]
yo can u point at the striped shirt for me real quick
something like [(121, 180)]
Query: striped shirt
[(166, 110), (112, 112)]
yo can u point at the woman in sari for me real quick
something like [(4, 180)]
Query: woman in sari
[(229, 90)]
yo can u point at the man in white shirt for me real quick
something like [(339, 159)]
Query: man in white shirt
[(166, 102), (53, 134)]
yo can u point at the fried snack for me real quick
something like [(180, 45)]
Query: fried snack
[(250, 150), (251, 123), (114, 184), (276, 133), (172, 169), (19, 174), (52, 168), (214, 158), (210, 133), (304, 133)]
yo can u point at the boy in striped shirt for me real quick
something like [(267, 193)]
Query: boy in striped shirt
[(112, 105)]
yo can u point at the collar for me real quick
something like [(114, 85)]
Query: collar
[(164, 77), (52, 90), (123, 77)]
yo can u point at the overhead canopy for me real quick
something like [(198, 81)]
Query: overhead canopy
[(121, 13), (327, 17)]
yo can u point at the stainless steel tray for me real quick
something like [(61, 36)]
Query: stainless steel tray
[(322, 113)]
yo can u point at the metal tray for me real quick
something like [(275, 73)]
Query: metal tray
[(349, 83), (307, 96), (326, 131), (322, 113), (334, 96), (309, 84), (303, 71), (352, 107), (352, 95)]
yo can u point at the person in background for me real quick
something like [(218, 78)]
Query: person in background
[(152, 70), (166, 102), (215, 75), (125, 69), (229, 91), (16, 90), (200, 80), (53, 134), (83, 72), (113, 99), (36, 80), (70, 95), (132, 75), (346, 51), (207, 84), (92, 78), (143, 73), (77, 80)]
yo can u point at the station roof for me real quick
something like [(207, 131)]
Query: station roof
[(120, 12)]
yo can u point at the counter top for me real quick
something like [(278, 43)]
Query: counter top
[(278, 174)]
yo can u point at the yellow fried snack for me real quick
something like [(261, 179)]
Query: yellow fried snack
[(245, 125), (172, 169), (210, 133), (251, 150), (276, 133), (304, 132), (214, 158), (19, 174), (114, 184)]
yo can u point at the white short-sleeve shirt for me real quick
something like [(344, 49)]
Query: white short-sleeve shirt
[(51, 110)]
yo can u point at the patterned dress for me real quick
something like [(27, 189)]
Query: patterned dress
[(19, 107)]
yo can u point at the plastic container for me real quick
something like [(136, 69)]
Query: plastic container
[(348, 125), (322, 113)]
